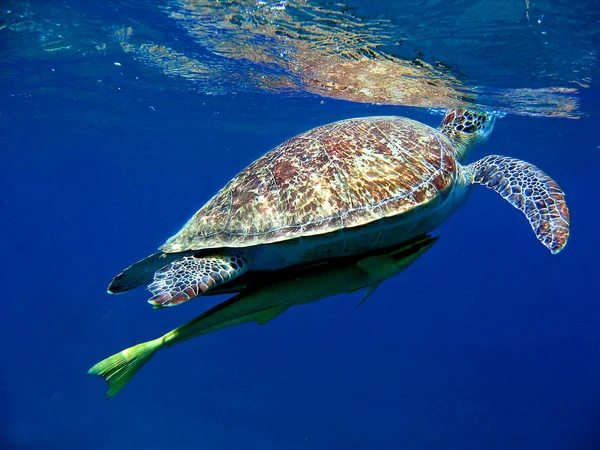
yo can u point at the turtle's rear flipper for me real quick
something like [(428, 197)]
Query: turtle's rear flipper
[(140, 273), (191, 276), (530, 190)]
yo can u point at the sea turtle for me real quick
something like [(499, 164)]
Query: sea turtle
[(340, 189)]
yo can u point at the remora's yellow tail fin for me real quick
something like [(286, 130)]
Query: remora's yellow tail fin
[(118, 369)]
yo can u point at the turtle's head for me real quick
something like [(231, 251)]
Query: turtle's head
[(466, 129)]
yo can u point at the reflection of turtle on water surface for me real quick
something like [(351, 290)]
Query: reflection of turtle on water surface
[(342, 189)]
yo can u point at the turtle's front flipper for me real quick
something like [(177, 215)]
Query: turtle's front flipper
[(191, 276), (530, 190)]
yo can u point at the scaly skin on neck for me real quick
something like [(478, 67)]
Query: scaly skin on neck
[(466, 129)]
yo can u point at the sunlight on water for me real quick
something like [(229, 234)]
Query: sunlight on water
[(360, 52), (326, 50)]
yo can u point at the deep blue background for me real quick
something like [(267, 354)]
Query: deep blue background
[(487, 342)]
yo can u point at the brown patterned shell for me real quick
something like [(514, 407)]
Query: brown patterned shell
[(344, 174)]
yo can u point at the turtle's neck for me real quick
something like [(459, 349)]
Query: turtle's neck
[(462, 147)]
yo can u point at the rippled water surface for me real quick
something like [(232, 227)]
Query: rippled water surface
[(523, 57), (120, 118)]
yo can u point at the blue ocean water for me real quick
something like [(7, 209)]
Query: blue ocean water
[(109, 144)]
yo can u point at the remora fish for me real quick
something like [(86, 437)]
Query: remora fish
[(263, 299)]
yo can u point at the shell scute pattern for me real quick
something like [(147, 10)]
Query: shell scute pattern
[(344, 174)]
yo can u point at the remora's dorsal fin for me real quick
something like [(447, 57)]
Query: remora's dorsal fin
[(372, 288), (530, 190), (378, 268), (381, 267)]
